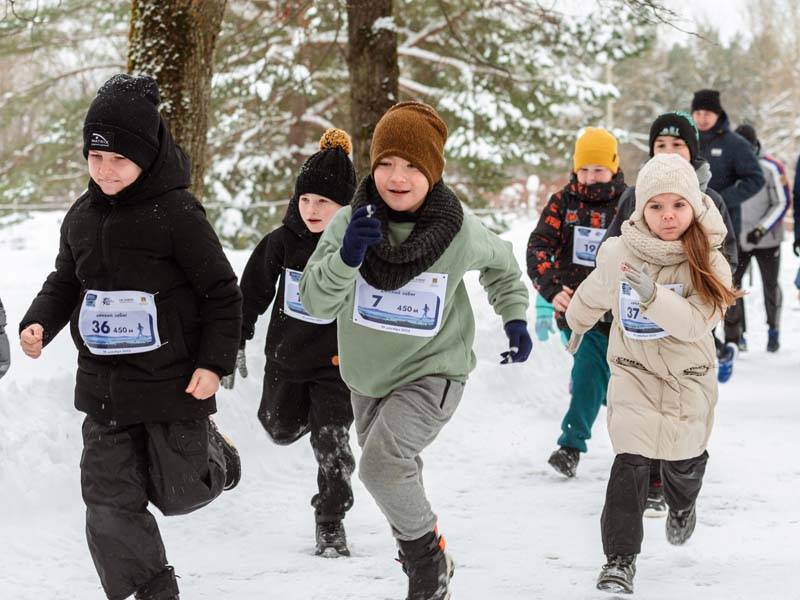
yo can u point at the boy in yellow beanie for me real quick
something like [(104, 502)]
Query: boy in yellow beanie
[(561, 254), (391, 270)]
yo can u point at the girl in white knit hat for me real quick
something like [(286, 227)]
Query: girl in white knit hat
[(668, 285)]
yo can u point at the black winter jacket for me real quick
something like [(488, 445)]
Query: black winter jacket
[(152, 237), (301, 349), (735, 172)]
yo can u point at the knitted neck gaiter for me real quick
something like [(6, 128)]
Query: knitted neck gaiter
[(650, 248), (388, 267)]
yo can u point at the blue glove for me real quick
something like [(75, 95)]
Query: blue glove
[(544, 319), (361, 233), (519, 343)]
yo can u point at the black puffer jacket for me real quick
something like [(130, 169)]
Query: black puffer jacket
[(298, 347), (735, 172), (152, 237)]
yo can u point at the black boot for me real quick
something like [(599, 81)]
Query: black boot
[(331, 540), (163, 586), (616, 576), (233, 464), (680, 525), (428, 566), (565, 460)]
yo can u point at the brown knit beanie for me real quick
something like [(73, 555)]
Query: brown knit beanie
[(413, 131)]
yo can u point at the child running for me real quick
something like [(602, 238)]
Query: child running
[(668, 285), (561, 253), (391, 271), (303, 391), (155, 313)]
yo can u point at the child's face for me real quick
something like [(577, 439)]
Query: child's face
[(666, 144), (401, 185), (111, 171), (317, 211), (704, 119), (668, 216), (590, 174)]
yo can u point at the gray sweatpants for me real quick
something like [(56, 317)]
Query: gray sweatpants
[(392, 431)]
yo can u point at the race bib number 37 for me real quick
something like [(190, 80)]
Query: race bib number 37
[(414, 309), (634, 324), (120, 322)]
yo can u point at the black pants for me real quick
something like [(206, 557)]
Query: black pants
[(769, 264), (626, 495), (177, 466), (290, 408)]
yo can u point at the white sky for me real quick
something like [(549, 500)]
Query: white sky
[(729, 16)]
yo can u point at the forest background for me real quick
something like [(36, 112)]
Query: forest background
[(249, 86)]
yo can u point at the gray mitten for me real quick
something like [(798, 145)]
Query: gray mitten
[(241, 366), (640, 281)]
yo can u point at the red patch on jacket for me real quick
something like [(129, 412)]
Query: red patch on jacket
[(553, 222)]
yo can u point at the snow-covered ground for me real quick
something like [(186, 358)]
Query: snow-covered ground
[(516, 530)]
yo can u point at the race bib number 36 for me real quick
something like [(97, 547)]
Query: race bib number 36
[(414, 309), (120, 322)]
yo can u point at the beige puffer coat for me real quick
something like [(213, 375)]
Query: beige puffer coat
[(662, 392)]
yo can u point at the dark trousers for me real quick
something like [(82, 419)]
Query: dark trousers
[(626, 495), (177, 466), (769, 264), (290, 409)]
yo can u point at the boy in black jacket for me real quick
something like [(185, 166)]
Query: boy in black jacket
[(303, 391), (155, 313)]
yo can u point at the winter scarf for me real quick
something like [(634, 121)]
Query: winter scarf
[(388, 267)]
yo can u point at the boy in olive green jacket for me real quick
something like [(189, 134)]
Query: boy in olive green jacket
[(391, 269)]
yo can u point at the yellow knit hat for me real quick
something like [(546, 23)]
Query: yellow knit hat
[(596, 147)]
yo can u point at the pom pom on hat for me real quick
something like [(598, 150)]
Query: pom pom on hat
[(596, 146), (335, 138)]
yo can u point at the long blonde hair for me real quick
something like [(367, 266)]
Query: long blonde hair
[(704, 280)]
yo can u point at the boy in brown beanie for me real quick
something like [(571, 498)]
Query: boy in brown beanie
[(561, 253), (155, 314), (390, 270), (303, 391)]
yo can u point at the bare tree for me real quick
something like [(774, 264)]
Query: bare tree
[(174, 41), (374, 72)]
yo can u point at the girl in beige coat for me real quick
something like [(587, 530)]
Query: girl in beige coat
[(668, 285)]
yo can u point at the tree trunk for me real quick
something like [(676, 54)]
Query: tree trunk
[(374, 73), (174, 41)]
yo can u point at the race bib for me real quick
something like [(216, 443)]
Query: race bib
[(121, 322), (292, 306), (585, 242), (635, 325), (414, 309)]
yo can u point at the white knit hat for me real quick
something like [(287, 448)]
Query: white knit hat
[(668, 174)]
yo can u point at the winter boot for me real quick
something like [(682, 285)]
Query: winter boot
[(163, 586), (656, 505), (725, 357), (680, 525), (331, 540), (428, 566), (616, 576), (565, 460), (772, 340), (742, 344), (233, 464)]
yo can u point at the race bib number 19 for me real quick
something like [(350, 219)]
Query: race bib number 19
[(414, 309), (120, 322), (585, 242)]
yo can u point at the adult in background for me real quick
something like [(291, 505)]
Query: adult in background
[(735, 172), (760, 238)]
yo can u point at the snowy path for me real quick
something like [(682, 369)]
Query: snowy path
[(515, 529)]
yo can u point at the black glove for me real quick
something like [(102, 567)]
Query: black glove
[(797, 247), (519, 343), (755, 236), (362, 231)]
